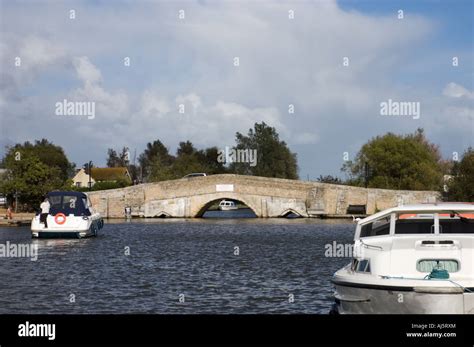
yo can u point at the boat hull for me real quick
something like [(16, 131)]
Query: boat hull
[(371, 300), (79, 228), (62, 235)]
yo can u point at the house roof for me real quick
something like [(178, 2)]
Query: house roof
[(109, 173)]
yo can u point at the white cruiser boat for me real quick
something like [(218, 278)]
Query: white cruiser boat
[(70, 216), (411, 259), (227, 205)]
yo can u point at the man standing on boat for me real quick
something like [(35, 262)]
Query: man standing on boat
[(45, 206)]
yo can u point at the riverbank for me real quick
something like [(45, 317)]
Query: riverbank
[(19, 219), (24, 219)]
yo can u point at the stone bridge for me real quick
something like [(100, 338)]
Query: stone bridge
[(267, 197)]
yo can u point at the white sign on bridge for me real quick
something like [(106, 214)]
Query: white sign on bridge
[(224, 187)]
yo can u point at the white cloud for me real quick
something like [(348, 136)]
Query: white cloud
[(282, 61), (454, 90), (154, 105), (192, 100), (86, 71), (23, 59), (39, 52), (203, 124), (111, 106)]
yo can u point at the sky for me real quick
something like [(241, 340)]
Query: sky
[(334, 61)]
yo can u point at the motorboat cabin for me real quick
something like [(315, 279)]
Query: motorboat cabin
[(410, 259), (226, 205)]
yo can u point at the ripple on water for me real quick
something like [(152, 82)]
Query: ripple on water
[(168, 258)]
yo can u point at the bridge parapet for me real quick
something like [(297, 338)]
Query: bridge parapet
[(267, 197)]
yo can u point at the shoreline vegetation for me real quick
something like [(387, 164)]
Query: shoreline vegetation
[(390, 161)]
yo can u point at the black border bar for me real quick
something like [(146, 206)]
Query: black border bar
[(256, 329)]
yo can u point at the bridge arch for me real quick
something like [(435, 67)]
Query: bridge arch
[(289, 212), (204, 205), (162, 214)]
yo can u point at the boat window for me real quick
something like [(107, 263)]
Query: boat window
[(70, 201), (68, 204), (456, 226), (55, 202), (367, 267), (376, 228), (427, 265), (360, 265), (414, 226)]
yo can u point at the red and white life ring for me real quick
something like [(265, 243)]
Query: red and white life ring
[(60, 218)]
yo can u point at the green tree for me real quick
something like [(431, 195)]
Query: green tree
[(188, 160), (274, 158), (461, 185), (115, 159), (185, 148), (155, 153), (186, 164), (48, 153), (122, 159), (397, 162), (158, 171), (33, 169), (208, 157), (30, 178)]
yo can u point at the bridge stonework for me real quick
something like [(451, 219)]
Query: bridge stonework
[(267, 197)]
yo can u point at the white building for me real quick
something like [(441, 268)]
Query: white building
[(108, 174)]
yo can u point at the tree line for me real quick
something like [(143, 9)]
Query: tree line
[(33, 169), (156, 163), (390, 161), (409, 162)]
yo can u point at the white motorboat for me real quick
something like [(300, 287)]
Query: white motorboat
[(227, 205), (410, 259), (70, 216)]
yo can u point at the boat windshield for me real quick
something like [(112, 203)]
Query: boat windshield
[(421, 223), (456, 225), (415, 225), (69, 204), (376, 228), (449, 223)]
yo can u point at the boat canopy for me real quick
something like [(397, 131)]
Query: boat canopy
[(75, 203)]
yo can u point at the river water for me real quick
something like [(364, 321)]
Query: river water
[(208, 265)]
